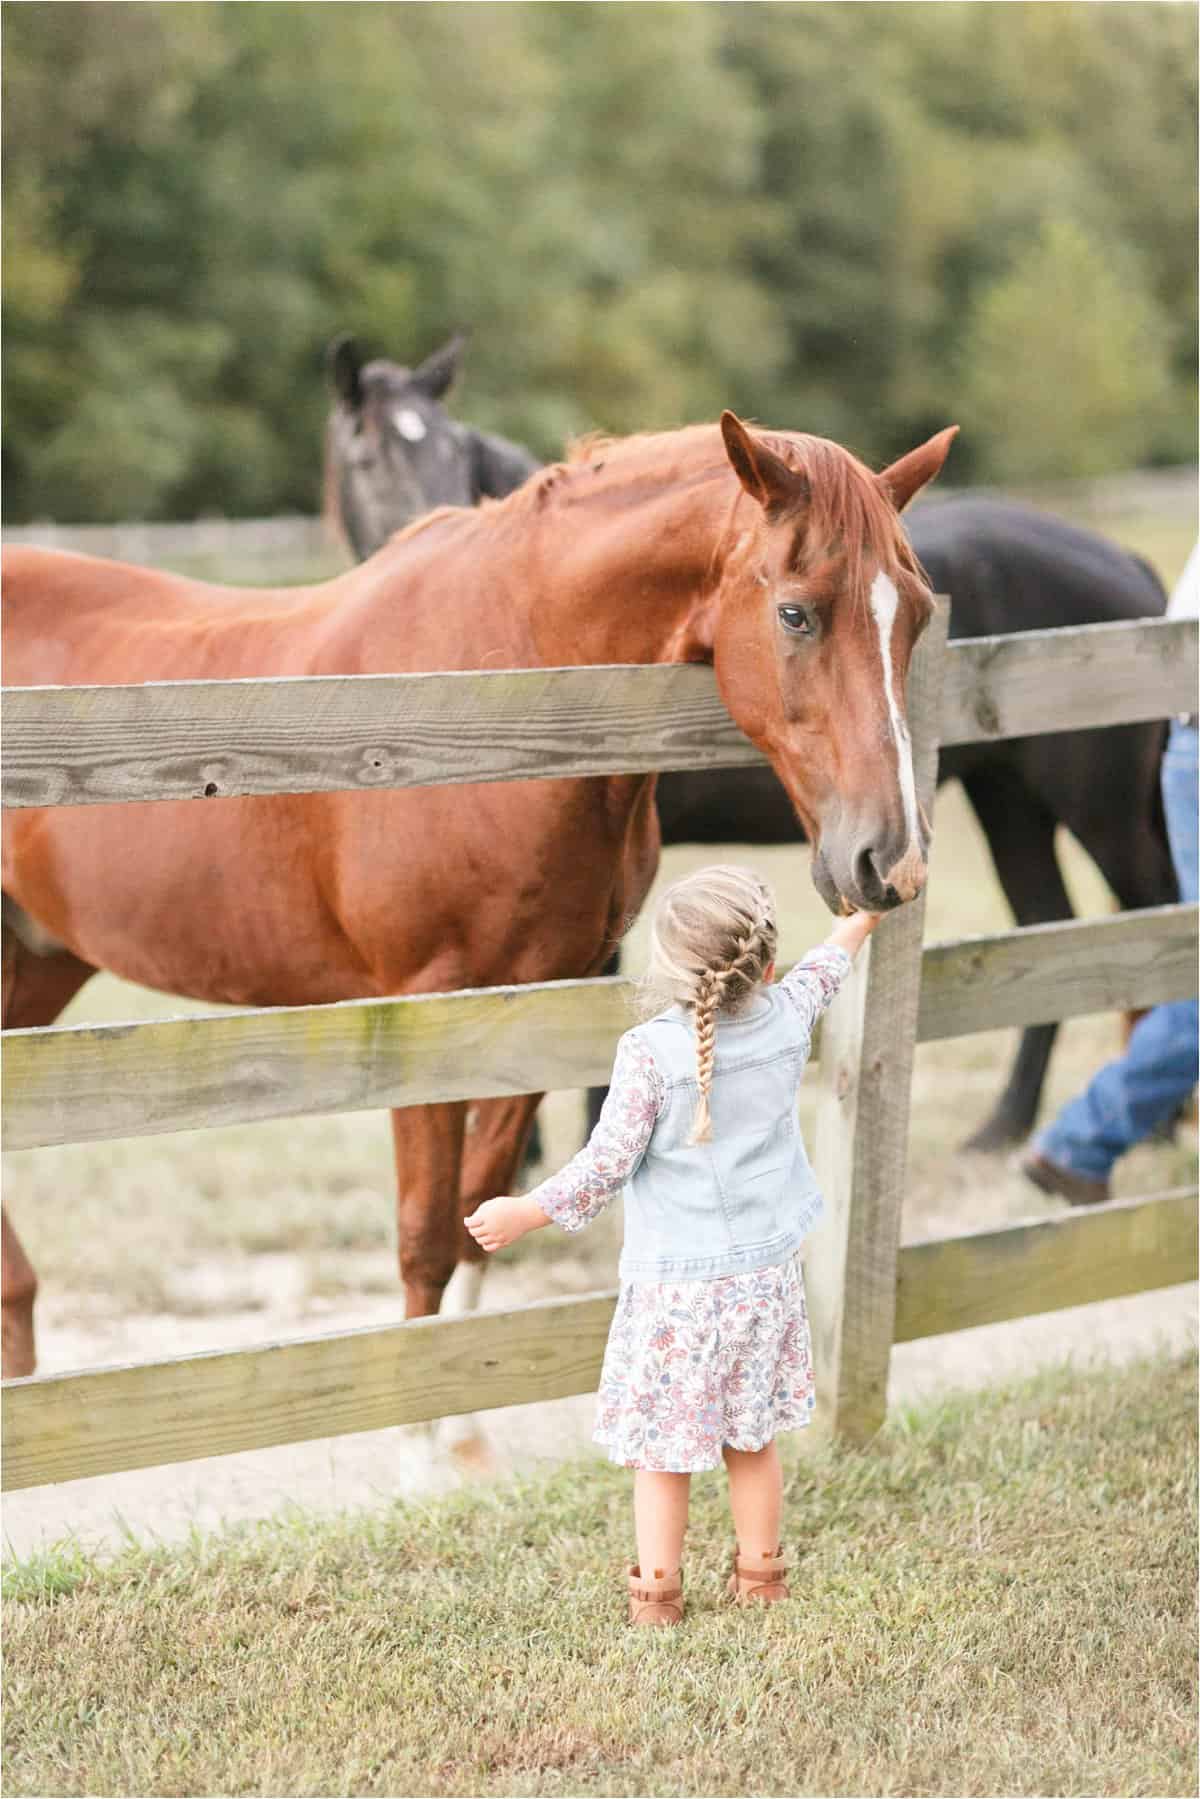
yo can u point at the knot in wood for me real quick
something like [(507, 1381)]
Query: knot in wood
[(985, 712)]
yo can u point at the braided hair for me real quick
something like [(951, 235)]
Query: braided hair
[(712, 939)]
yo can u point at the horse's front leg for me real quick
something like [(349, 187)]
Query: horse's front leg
[(497, 1131), (429, 1145), (440, 1179), (37, 978), (19, 1293), (1020, 832)]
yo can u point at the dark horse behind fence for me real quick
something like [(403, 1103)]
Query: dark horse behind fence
[(297, 899), (1007, 567)]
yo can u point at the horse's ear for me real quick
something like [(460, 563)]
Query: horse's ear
[(438, 370), (763, 474), (903, 480), (343, 366)]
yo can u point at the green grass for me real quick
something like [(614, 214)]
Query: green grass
[(995, 1597)]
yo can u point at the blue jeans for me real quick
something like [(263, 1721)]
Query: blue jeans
[(1160, 1067)]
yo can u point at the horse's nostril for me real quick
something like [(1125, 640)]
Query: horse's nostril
[(867, 878), (875, 889)]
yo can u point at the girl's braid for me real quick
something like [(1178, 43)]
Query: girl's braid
[(744, 967), (707, 1004), (748, 950)]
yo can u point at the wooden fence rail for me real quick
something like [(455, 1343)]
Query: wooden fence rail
[(291, 537), (76, 746), (1051, 971), (68, 1426), (88, 1083), (76, 1083), (1076, 1257)]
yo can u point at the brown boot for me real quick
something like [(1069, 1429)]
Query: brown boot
[(1064, 1183), (657, 1601), (758, 1579)]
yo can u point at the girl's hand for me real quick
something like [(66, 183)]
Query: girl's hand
[(851, 933), (498, 1222)]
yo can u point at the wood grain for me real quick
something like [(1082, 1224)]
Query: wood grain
[(68, 1426), (1127, 1246), (64, 1427), (1053, 971), (78, 746), (74, 746), (88, 1083), (71, 1084), (1026, 683)]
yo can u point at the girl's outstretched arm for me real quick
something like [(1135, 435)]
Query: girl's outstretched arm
[(581, 1190), (812, 983), (851, 933)]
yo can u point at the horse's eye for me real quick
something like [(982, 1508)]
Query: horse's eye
[(797, 621)]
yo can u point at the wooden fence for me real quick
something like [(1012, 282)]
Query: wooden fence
[(175, 740), (212, 740)]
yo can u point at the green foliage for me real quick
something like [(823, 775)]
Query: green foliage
[(1064, 363), (827, 216)]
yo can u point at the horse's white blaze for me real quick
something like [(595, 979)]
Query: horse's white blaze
[(885, 602), (462, 1290), (409, 424)]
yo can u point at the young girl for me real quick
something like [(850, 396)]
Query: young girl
[(709, 1354)]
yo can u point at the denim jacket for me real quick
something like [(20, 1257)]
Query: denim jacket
[(742, 1201)]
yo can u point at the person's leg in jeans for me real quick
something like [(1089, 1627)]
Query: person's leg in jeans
[(1142, 1088)]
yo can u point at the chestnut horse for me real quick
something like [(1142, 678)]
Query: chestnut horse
[(779, 558), (392, 452)]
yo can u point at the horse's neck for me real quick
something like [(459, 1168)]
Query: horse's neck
[(629, 575), (555, 577)]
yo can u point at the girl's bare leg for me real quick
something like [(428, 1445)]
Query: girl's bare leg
[(660, 1512), (755, 1498)]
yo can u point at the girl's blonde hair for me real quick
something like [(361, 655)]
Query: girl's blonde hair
[(712, 939)]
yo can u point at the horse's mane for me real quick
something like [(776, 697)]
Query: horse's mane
[(847, 509), (847, 506)]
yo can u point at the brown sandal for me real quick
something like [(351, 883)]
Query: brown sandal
[(758, 1579), (657, 1601)]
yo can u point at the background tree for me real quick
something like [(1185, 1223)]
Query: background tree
[(1065, 362), (834, 217)]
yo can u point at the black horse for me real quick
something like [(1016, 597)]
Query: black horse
[(1007, 567), (392, 451)]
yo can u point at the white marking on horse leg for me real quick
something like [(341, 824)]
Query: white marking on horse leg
[(462, 1290), (908, 873), (463, 1436)]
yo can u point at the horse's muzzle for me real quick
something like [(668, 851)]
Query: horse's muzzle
[(865, 878)]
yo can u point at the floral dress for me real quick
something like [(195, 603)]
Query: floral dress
[(691, 1366)]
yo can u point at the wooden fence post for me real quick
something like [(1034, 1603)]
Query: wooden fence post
[(868, 1038)]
